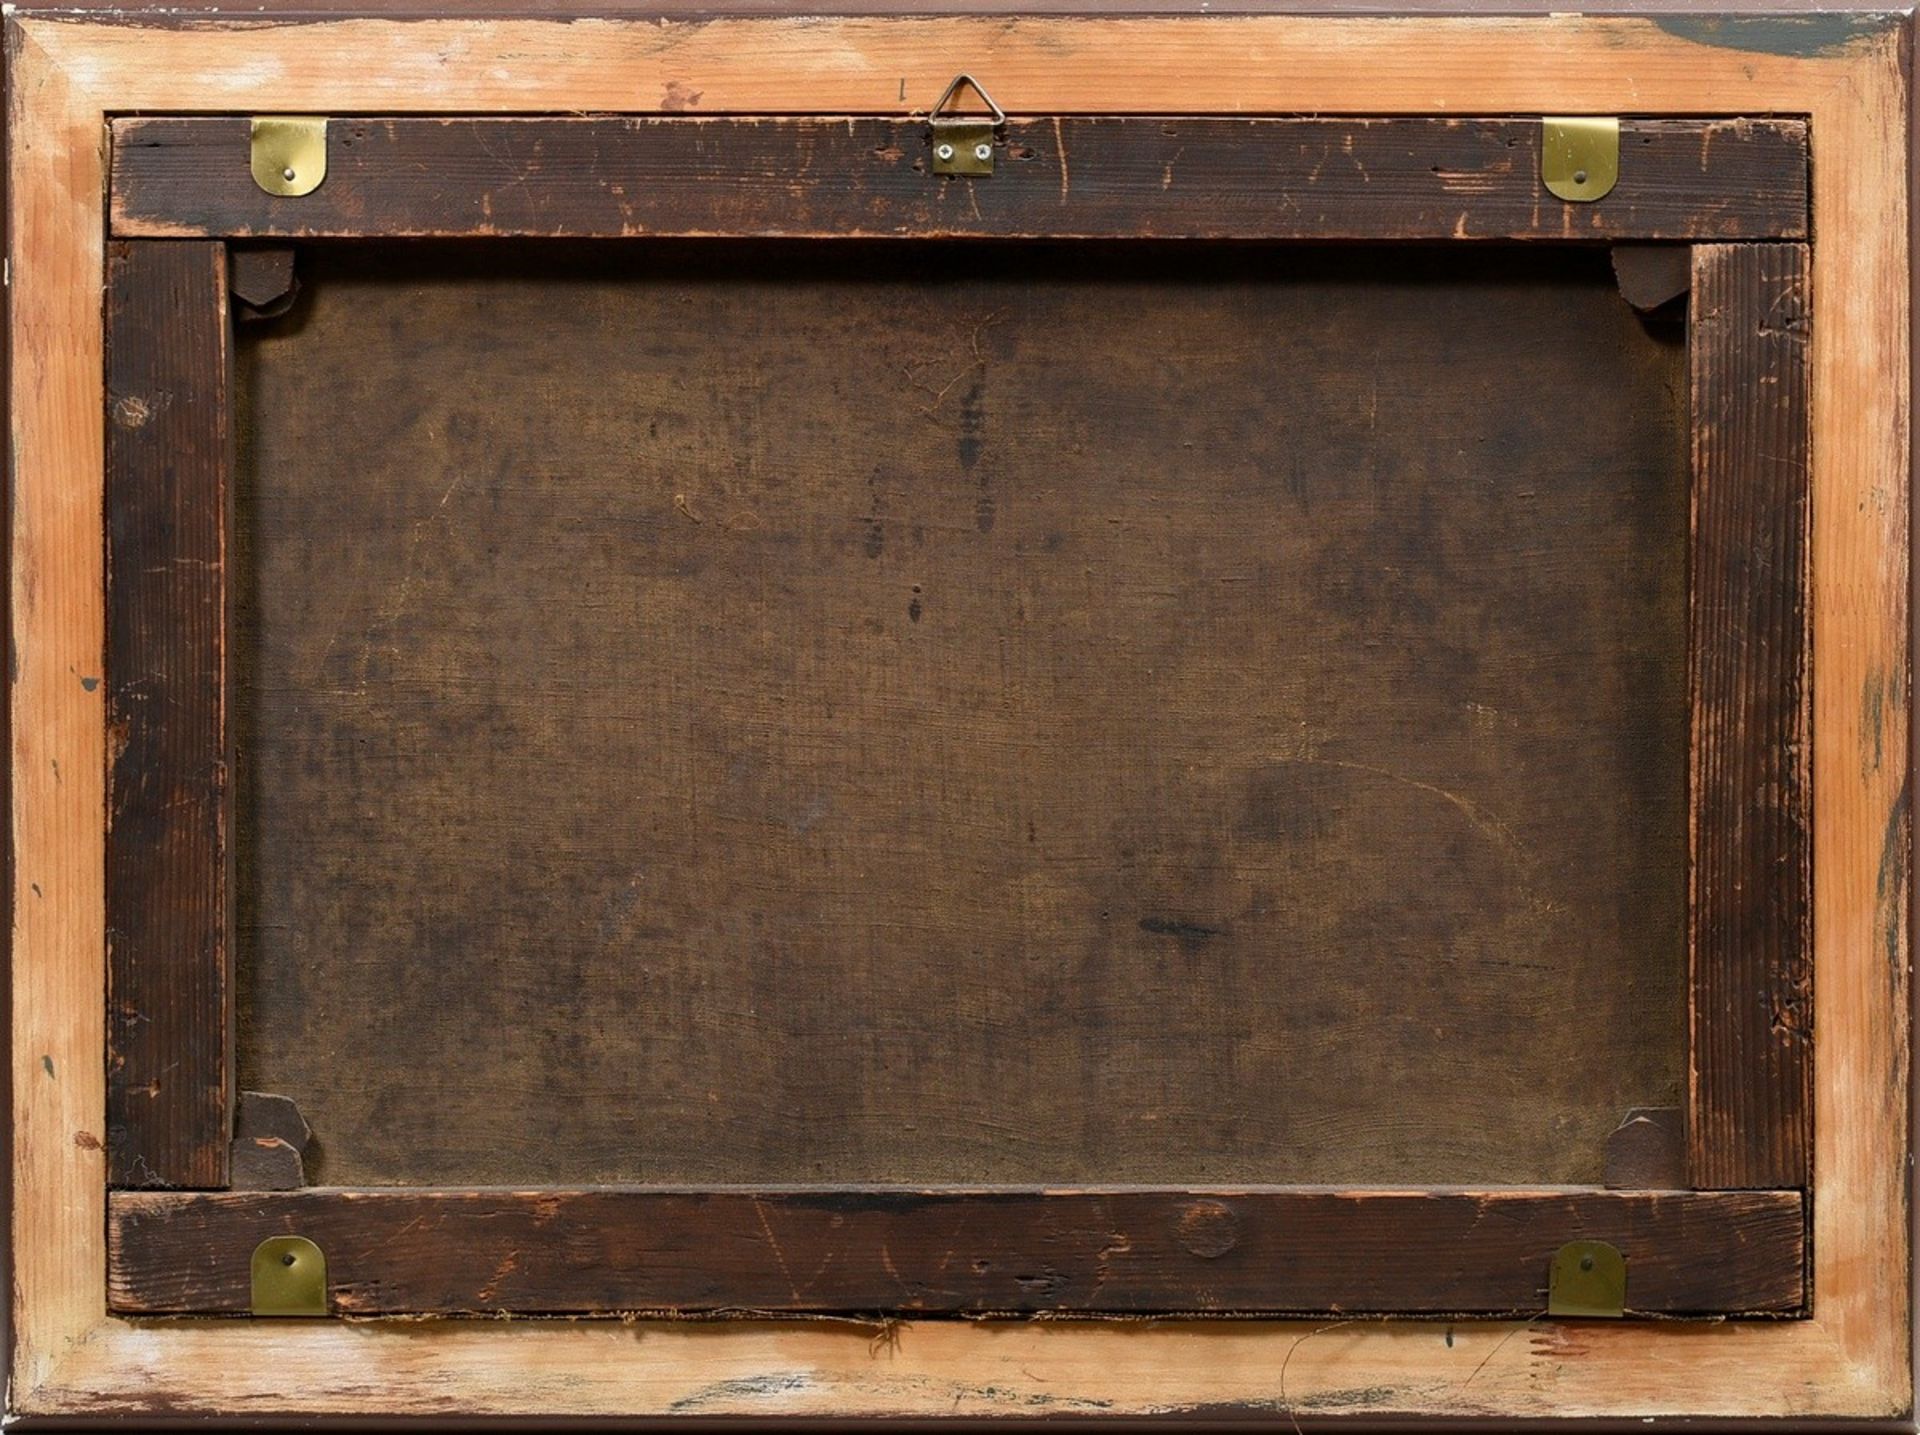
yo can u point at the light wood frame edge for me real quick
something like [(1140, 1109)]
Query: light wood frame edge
[(1852, 1358)]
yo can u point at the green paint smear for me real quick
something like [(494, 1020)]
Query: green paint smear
[(1890, 886), (1872, 713), (1801, 36)]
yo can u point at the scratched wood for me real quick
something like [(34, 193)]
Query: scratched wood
[(1852, 1358), (1088, 177), (1750, 1076), (934, 714), (169, 465), (559, 1252)]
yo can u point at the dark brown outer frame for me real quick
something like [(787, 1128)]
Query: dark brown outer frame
[(1750, 907), (169, 461), (1055, 178), (1124, 1252)]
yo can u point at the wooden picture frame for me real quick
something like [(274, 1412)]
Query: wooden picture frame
[(1778, 1148), (1730, 1240)]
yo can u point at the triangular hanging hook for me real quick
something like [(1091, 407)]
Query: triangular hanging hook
[(999, 115)]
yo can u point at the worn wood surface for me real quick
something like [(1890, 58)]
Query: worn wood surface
[(1800, 27), (1081, 176), (697, 727), (1652, 276), (1751, 1065), (262, 279), (270, 1140), (391, 1252), (169, 467), (1852, 1357)]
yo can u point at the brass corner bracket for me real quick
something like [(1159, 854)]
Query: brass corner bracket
[(289, 1277), (1588, 1279), (1580, 156), (289, 153)]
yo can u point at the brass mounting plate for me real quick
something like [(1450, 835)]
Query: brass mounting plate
[(960, 148), (289, 1277), (289, 153), (963, 144), (1580, 156), (1588, 1279)]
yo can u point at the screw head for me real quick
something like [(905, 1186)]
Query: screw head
[(983, 151), (1579, 176), (287, 174), (943, 151)]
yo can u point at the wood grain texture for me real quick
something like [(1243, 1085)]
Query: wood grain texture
[(270, 1141), (1789, 21), (1750, 1080), (828, 725), (566, 1252), (1851, 1358), (1088, 177), (1795, 26), (1652, 276), (169, 466), (262, 280)]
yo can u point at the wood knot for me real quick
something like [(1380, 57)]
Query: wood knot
[(1208, 1229), (678, 97)]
